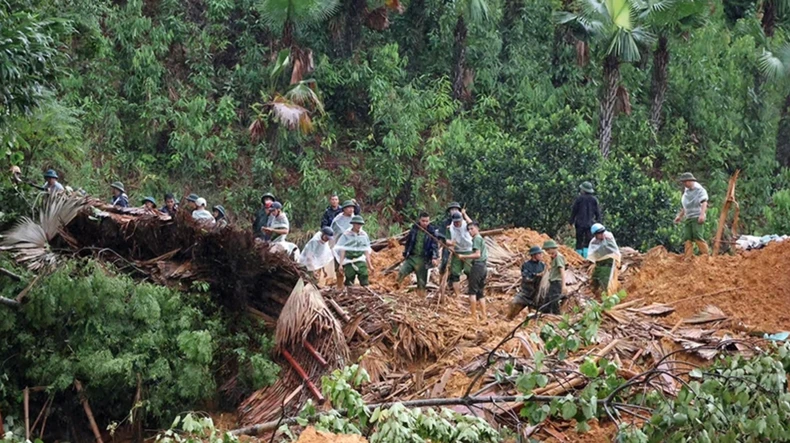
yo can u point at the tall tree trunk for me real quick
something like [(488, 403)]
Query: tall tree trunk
[(288, 34), (783, 135), (460, 57), (769, 17), (611, 78), (354, 18), (659, 85)]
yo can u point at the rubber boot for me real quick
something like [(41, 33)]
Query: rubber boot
[(584, 252), (688, 250), (483, 313), (473, 308), (703, 247), (513, 310)]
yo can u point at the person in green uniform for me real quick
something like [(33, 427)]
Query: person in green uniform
[(532, 272), (478, 260), (556, 277), (605, 253), (421, 252), (353, 249), (693, 214)]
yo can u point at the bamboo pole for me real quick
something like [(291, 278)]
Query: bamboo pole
[(299, 370), (27, 413), (10, 274), (88, 411), (728, 201)]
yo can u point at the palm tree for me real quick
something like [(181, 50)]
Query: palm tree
[(668, 18), (771, 10), (775, 66), (288, 15), (612, 28), (475, 12)]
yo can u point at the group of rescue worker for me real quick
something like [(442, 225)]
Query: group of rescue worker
[(343, 242)]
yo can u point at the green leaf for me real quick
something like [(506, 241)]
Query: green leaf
[(589, 368), (568, 410)]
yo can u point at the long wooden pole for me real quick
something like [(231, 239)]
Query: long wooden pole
[(88, 411), (728, 201), (298, 368)]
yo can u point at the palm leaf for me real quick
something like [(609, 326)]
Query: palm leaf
[(303, 95), (771, 65), (291, 115), (274, 13), (29, 241), (477, 10)]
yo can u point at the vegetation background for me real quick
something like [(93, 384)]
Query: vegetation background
[(504, 105)]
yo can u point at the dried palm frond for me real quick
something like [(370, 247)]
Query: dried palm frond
[(306, 312), (29, 241), (291, 115)]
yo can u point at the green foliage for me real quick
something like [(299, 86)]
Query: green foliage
[(83, 322), (28, 57), (737, 399), (193, 428), (777, 215), (389, 425)]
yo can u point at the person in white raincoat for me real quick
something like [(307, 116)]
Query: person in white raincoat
[(317, 253), (341, 224), (352, 251), (278, 225), (605, 253), (460, 240)]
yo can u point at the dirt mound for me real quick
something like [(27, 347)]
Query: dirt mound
[(521, 239), (310, 435), (752, 287)]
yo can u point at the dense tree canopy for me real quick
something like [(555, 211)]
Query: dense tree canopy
[(505, 105)]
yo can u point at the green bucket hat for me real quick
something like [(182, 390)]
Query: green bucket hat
[(348, 203), (118, 186), (587, 187), (192, 198), (550, 244), (454, 205), (50, 174), (267, 195), (220, 209), (357, 220), (535, 250), (686, 176), (149, 199)]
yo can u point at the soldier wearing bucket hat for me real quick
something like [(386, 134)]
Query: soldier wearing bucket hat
[(584, 212), (532, 271), (334, 209), (278, 225), (52, 185), (692, 215), (119, 197), (262, 219), (218, 212), (556, 277), (352, 251), (149, 203)]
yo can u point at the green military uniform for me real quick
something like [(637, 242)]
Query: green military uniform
[(356, 270), (477, 272), (458, 266), (416, 263)]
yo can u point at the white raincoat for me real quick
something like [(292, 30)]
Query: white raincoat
[(461, 237), (316, 253), (341, 224), (351, 241)]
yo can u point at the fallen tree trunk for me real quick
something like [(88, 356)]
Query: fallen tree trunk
[(428, 402)]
